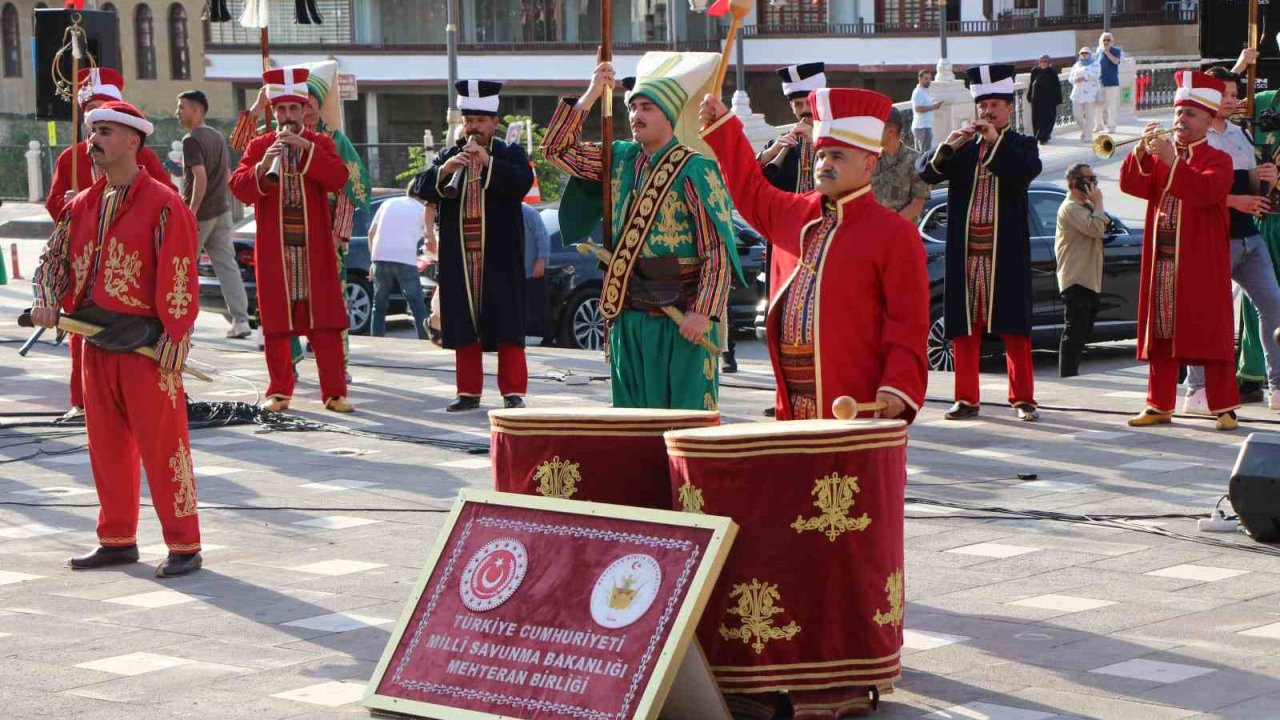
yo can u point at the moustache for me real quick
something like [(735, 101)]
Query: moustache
[(827, 174)]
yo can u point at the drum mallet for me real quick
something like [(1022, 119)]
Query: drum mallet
[(80, 327), (31, 341), (845, 407), (675, 314)]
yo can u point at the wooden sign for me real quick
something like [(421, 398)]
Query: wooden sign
[(348, 88), (533, 607)]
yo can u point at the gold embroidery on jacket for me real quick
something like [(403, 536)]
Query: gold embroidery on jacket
[(670, 232), (835, 498), (121, 273), (184, 500), (756, 609), (179, 298), (80, 269)]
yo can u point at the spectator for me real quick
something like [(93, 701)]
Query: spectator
[(1045, 94), (1109, 63), (922, 107), (1084, 93), (393, 245), (537, 250), (1078, 249), (895, 181), (206, 161)]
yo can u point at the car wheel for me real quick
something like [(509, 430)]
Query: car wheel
[(359, 304), (939, 348), (583, 324)]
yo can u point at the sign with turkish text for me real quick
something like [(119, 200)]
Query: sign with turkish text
[(533, 607), (348, 88)]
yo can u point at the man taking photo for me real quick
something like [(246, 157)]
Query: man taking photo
[(1078, 249)]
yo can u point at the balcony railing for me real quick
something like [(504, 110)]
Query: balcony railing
[(1013, 23)]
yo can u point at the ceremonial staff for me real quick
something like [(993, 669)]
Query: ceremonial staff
[(605, 54), (739, 9), (1253, 66)]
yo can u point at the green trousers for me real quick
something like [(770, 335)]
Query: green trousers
[(651, 366)]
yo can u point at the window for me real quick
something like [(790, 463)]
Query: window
[(1044, 213), (909, 13), (791, 13), (12, 42), (145, 39), (179, 52)]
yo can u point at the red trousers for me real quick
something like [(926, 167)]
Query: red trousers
[(1017, 353), (1221, 390), (133, 412), (77, 388), (325, 344), (513, 373)]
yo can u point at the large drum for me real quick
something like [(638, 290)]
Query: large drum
[(611, 455), (811, 598)]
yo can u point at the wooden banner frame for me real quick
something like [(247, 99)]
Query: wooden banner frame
[(676, 666)]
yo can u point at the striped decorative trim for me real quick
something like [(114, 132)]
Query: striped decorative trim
[(172, 355), (588, 424), (703, 444), (118, 542), (193, 548)]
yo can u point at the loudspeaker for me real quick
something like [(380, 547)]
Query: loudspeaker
[(102, 30), (1255, 486), (1224, 28)]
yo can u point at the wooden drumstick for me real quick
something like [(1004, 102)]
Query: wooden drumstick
[(675, 314), (845, 407)]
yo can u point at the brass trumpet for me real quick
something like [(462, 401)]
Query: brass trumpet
[(1104, 146)]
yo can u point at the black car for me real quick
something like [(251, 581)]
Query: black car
[(359, 282), (1122, 265), (574, 281)]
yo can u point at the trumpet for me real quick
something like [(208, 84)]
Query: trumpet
[(1104, 146), (453, 188)]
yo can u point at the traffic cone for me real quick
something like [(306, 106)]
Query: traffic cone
[(534, 196)]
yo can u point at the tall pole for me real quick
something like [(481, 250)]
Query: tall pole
[(1106, 15), (453, 117), (1252, 76), (605, 54), (942, 26), (740, 66)]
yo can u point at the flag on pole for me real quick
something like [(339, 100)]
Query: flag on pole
[(715, 9), (255, 13)]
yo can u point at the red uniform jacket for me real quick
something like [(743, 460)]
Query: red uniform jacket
[(145, 266), (873, 291), (1203, 311), (323, 172), (84, 171)]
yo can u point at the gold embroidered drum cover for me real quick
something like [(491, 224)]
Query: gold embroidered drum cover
[(812, 594), (613, 455)]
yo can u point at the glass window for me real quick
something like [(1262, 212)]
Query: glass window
[(909, 13), (145, 41), (1044, 213), (791, 13), (12, 43), (179, 51)]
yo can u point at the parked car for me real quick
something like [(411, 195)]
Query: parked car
[(1122, 264), (574, 281), (359, 281)]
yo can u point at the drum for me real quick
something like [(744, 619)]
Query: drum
[(611, 455), (811, 598)]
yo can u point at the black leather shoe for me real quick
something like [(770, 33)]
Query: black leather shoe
[(105, 557), (1027, 412), (176, 565), (770, 412), (511, 402), (960, 411), (464, 403)]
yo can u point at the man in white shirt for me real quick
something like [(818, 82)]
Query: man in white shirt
[(394, 234), (923, 106), (1085, 92)]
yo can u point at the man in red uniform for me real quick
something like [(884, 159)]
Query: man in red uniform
[(1185, 313), (287, 174), (124, 253), (97, 86), (853, 253)]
